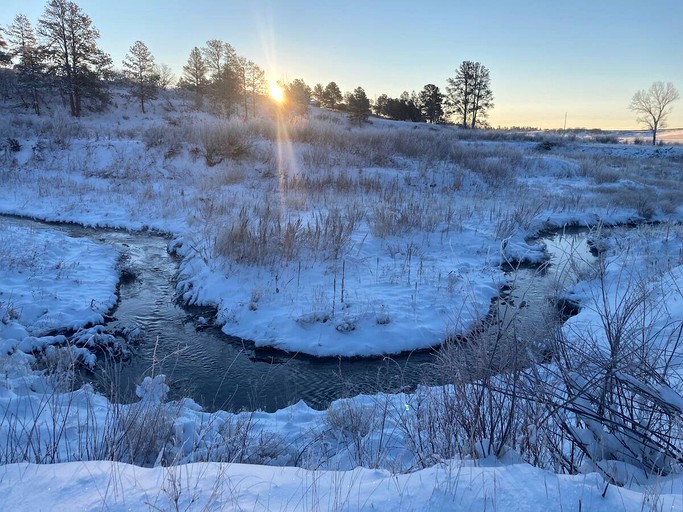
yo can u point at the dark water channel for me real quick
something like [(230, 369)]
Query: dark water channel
[(223, 372)]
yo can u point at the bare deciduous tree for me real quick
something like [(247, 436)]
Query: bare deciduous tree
[(166, 76), (653, 105)]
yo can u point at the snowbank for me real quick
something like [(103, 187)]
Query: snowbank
[(51, 282), (452, 486)]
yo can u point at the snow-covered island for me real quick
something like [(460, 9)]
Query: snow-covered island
[(311, 235)]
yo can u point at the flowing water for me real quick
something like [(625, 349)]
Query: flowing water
[(223, 372)]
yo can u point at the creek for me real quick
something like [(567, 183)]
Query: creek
[(223, 372)]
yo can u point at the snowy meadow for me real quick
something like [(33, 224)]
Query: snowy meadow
[(310, 235)]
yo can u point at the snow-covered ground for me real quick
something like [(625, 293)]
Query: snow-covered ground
[(451, 486), (354, 242), (323, 239), (667, 136), (50, 282)]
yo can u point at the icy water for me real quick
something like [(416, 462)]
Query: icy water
[(223, 372)]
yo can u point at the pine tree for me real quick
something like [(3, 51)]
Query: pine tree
[(194, 76), (70, 43), (431, 104), (5, 58), (469, 93), (223, 72), (297, 96), (409, 107), (139, 68), (217, 55), (318, 94), (30, 65), (358, 106), (7, 78), (332, 95), (380, 105)]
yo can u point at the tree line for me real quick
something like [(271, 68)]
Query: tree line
[(217, 72), (467, 100), (61, 56)]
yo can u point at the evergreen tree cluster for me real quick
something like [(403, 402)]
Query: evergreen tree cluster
[(61, 56), (403, 108), (329, 96), (217, 72), (468, 99)]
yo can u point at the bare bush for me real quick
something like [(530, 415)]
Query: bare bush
[(359, 427), (224, 141), (260, 235), (616, 390)]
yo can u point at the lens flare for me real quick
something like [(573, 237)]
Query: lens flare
[(277, 93)]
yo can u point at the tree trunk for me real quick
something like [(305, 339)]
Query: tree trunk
[(246, 97), (72, 103), (77, 101), (36, 102), (475, 108)]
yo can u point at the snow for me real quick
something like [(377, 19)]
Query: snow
[(642, 270), (382, 294), (51, 282), (451, 486), (668, 136), (410, 299), (406, 289)]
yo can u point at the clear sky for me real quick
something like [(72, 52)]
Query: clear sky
[(584, 58)]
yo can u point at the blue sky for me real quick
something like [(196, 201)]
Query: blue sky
[(546, 58)]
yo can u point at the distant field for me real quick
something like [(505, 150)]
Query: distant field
[(671, 136)]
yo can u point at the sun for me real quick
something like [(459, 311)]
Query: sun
[(277, 93)]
